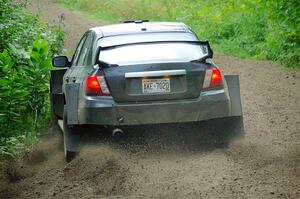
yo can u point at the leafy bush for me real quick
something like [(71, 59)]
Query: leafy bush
[(244, 28), (26, 49)]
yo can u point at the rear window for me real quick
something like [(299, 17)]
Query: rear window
[(153, 53)]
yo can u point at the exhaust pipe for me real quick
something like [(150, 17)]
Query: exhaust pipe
[(117, 132)]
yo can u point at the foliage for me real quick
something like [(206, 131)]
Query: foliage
[(244, 28), (26, 48)]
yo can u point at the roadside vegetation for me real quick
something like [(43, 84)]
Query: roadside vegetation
[(257, 29), (26, 48)]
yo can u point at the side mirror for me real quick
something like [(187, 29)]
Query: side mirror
[(61, 61)]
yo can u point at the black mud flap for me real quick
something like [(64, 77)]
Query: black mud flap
[(233, 85), (72, 91), (71, 138), (231, 127), (56, 94)]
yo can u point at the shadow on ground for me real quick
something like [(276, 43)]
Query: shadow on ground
[(163, 138)]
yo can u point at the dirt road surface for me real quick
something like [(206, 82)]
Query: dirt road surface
[(266, 164)]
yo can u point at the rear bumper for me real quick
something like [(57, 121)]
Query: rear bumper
[(104, 111)]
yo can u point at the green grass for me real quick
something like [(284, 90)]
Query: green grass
[(266, 30)]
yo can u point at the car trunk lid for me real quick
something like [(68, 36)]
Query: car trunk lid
[(154, 82)]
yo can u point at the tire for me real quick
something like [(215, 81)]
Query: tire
[(228, 129), (54, 117), (71, 136), (218, 133), (70, 155)]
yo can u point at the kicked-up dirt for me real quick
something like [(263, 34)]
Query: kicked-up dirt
[(266, 164)]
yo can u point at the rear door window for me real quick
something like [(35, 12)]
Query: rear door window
[(77, 52), (85, 51)]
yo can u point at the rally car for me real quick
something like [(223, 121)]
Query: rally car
[(141, 73)]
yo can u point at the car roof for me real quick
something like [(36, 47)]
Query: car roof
[(140, 27)]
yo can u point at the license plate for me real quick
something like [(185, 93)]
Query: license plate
[(156, 85)]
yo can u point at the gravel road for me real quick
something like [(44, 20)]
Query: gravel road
[(266, 164)]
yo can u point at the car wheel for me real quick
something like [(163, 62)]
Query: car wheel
[(220, 132), (71, 138), (54, 118), (229, 128)]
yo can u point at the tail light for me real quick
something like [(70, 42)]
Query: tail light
[(213, 78), (96, 85)]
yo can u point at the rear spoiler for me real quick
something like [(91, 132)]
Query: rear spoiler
[(202, 43)]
